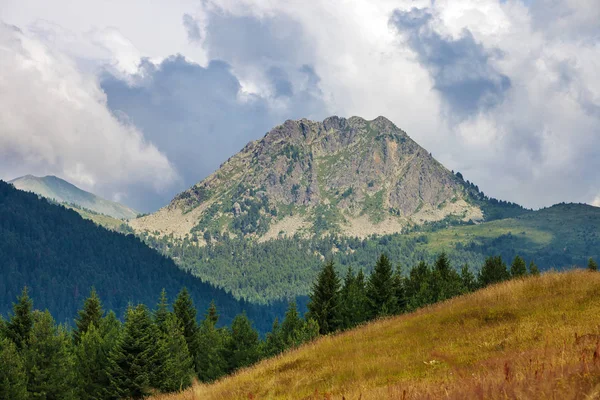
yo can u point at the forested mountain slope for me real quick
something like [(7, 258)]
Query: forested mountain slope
[(59, 256)]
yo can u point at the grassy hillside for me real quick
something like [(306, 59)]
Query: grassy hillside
[(513, 340)]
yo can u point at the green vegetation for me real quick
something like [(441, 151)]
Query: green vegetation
[(58, 256)]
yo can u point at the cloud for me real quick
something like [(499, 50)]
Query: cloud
[(54, 120), (191, 26), (460, 67), (200, 116)]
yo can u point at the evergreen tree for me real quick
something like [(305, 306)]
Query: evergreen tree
[(324, 304), (493, 271), (518, 268), (91, 359), (292, 326), (467, 279), (48, 360), (400, 292), (162, 311), (186, 314), (380, 289), (533, 269), (418, 286), (133, 361), (209, 358), (13, 379), (446, 282), (212, 315), (91, 314), (243, 345), (310, 330), (176, 368), (274, 343), (592, 265), (20, 324)]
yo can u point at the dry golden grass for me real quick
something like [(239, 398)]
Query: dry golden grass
[(515, 340)]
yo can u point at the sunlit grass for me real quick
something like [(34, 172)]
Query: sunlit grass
[(514, 340)]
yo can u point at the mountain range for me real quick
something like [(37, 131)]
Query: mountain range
[(61, 191)]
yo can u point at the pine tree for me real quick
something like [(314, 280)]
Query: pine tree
[(91, 364), (91, 314), (209, 358), (446, 282), (310, 330), (592, 265), (493, 271), (13, 379), (292, 326), (400, 292), (20, 324), (533, 269), (243, 345), (518, 268), (176, 367), (324, 304), (274, 343), (380, 289), (48, 360), (467, 279), (212, 315), (161, 313), (186, 314), (133, 361), (418, 286)]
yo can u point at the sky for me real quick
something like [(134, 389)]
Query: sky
[(138, 100)]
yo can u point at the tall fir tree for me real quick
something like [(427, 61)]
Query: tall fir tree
[(186, 312), (209, 358), (48, 360), (592, 265), (467, 278), (91, 365), (18, 328), (243, 345), (133, 362), (493, 271), (292, 327), (400, 292), (324, 304), (13, 378), (211, 314), (176, 367), (533, 269), (380, 289), (518, 268), (419, 290), (274, 343), (446, 282), (161, 313), (91, 314)]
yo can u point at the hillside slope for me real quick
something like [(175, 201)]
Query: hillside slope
[(347, 176), (513, 340), (59, 256), (62, 191)]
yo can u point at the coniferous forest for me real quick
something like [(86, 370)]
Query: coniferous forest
[(164, 348), (59, 256)]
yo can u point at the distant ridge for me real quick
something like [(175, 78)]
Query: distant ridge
[(62, 191)]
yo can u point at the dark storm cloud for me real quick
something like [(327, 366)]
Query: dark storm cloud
[(460, 68), (198, 117)]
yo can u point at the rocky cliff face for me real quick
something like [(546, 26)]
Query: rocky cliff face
[(345, 176)]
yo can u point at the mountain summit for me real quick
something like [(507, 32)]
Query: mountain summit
[(62, 191), (347, 176)]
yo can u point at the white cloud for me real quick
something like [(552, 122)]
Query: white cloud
[(534, 142), (54, 120)]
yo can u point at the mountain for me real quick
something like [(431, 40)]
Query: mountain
[(345, 176), (512, 340), (59, 256), (62, 191)]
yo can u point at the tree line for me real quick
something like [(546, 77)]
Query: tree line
[(164, 349)]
